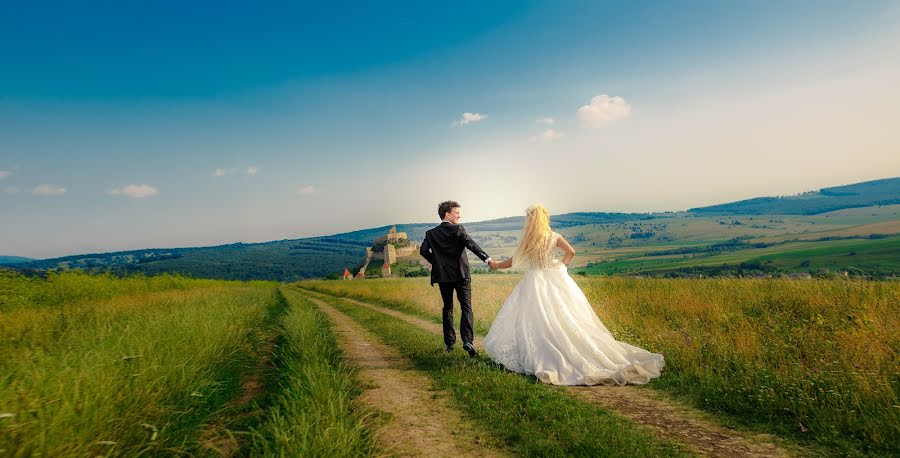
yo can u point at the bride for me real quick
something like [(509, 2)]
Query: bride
[(546, 326)]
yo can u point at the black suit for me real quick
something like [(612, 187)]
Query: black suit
[(445, 248)]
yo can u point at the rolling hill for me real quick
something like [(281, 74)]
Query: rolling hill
[(283, 260), (13, 260), (865, 194), (808, 232)]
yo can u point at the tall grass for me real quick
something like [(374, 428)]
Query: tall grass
[(60, 288), (314, 412), (97, 365), (816, 360)]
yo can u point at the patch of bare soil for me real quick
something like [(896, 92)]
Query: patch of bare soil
[(419, 420), (679, 423)]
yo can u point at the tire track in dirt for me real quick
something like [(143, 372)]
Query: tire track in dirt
[(420, 420), (411, 319), (678, 423), (216, 436)]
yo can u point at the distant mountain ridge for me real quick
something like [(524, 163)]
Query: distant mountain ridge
[(4, 260), (283, 260), (293, 259), (865, 194), (511, 223)]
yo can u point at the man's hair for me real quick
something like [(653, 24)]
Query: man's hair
[(445, 207)]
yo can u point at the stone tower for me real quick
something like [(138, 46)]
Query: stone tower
[(390, 254)]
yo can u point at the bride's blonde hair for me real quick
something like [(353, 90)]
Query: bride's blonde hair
[(535, 236)]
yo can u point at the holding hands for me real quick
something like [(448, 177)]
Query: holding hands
[(499, 265)]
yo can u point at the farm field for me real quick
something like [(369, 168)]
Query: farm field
[(861, 241), (873, 256)]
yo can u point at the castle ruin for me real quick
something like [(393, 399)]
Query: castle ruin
[(389, 247)]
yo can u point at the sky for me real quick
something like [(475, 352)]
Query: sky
[(127, 125)]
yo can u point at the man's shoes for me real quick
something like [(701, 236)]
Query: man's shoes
[(448, 348), (470, 349)]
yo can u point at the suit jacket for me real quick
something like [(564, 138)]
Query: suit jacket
[(445, 248)]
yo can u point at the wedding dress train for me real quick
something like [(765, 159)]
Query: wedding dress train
[(547, 328)]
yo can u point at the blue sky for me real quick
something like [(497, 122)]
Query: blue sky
[(152, 124)]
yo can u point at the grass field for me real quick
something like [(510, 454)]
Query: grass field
[(879, 256), (105, 366), (812, 360)]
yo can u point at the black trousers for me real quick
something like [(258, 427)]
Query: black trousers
[(463, 290)]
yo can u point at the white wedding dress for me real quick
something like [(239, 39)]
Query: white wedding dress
[(546, 328)]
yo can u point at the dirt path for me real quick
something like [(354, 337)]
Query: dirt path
[(678, 423), (421, 421), (216, 436), (414, 320)]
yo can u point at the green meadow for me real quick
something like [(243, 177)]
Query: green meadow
[(106, 366), (859, 256)]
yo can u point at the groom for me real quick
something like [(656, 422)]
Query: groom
[(444, 247)]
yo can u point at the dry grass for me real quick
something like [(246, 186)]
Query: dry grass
[(816, 360)]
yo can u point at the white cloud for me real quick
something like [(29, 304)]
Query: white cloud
[(603, 108), (545, 120), (11, 190), (547, 136), (48, 190), (5, 173), (468, 118), (251, 170), (137, 191), (307, 190)]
